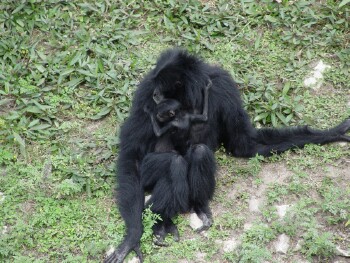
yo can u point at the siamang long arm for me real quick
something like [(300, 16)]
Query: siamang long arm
[(159, 131), (204, 115)]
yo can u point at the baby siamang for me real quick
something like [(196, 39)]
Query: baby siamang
[(171, 188), (175, 123), (182, 76)]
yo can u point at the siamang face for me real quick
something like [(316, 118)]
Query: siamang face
[(166, 116), (167, 110), (168, 85), (162, 92)]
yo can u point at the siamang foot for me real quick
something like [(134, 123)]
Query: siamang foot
[(160, 231), (171, 229), (207, 220), (159, 234), (204, 214), (123, 250), (343, 127), (345, 138)]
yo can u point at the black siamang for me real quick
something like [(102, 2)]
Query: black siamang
[(181, 76), (165, 174), (172, 125)]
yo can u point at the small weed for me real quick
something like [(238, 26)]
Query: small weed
[(255, 164), (276, 192), (252, 168), (67, 188), (316, 156), (298, 218), (254, 253), (297, 186), (316, 244), (254, 240), (229, 221), (6, 156), (148, 219), (258, 234), (335, 202), (270, 213)]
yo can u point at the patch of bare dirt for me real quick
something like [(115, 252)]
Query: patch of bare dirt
[(230, 197), (274, 173)]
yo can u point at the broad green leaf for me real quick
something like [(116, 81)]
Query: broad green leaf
[(274, 119), (22, 144), (282, 118), (40, 68), (74, 82), (77, 56), (167, 22), (19, 8), (344, 2), (40, 106), (100, 65), (102, 113), (289, 117), (40, 127), (20, 22), (286, 88), (41, 55), (33, 109), (86, 73), (261, 116), (32, 123), (13, 115)]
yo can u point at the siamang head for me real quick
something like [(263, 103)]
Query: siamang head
[(167, 110), (175, 76), (172, 87)]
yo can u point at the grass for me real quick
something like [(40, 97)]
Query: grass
[(68, 71)]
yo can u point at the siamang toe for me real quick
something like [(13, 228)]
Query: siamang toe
[(122, 251), (345, 138), (160, 231), (207, 220), (172, 229)]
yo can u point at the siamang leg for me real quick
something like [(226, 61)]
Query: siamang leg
[(130, 196), (201, 178), (165, 174), (271, 141), (246, 141)]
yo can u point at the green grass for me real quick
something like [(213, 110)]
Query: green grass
[(68, 71)]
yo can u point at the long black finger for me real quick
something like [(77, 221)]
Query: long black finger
[(139, 253)]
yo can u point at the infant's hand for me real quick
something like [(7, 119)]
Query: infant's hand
[(208, 86)]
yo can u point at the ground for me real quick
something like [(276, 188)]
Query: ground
[(68, 72)]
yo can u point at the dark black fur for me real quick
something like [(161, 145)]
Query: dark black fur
[(179, 183), (178, 172), (181, 76), (172, 124), (167, 110)]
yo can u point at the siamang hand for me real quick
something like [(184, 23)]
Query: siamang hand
[(123, 250), (208, 86)]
